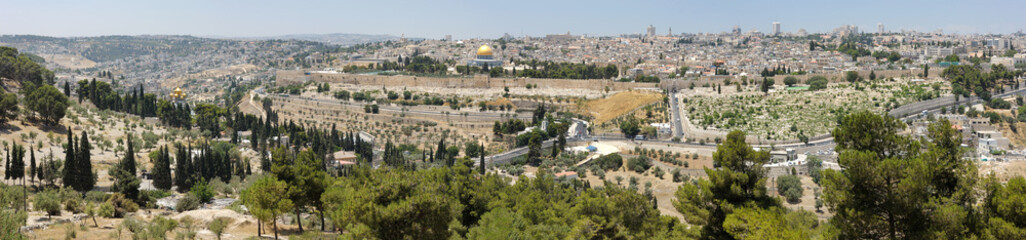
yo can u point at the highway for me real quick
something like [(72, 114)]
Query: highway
[(934, 105)]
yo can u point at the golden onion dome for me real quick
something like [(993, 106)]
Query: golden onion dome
[(484, 50), (178, 94)]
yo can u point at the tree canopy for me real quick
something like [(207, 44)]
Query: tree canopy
[(734, 190), (890, 189), (20, 67), (49, 103)]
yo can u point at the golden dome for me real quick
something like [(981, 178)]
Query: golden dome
[(484, 50), (178, 94)]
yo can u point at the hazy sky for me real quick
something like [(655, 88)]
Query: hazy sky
[(468, 19)]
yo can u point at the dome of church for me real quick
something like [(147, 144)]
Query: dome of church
[(178, 94)]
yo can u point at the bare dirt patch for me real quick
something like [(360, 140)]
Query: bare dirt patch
[(611, 107), (69, 61)]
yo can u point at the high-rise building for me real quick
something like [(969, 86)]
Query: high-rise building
[(671, 32), (776, 28), (996, 43), (651, 31), (880, 28)]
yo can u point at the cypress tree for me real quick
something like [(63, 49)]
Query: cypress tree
[(32, 163), (481, 167), (86, 179), (7, 165), (125, 180), (265, 163), (440, 151), (182, 168), (127, 163), (17, 169), (68, 173), (249, 170), (162, 170)]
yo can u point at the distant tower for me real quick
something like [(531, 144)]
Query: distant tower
[(736, 30), (671, 31), (402, 38), (880, 28), (776, 28), (651, 31)]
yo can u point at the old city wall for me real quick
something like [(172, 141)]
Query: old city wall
[(834, 77), (286, 77)]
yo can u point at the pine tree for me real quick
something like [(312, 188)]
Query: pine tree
[(86, 179), (68, 173), (162, 170)]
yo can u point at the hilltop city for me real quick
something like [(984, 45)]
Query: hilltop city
[(738, 134)]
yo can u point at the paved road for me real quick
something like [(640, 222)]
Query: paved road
[(678, 128), (259, 107), (506, 156), (934, 105)]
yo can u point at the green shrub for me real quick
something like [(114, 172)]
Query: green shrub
[(106, 210), (658, 172), (610, 161), (217, 185), (73, 205), (790, 186), (150, 197), (202, 191), (678, 176), (47, 201), (189, 202), (639, 164), (121, 204), (817, 83), (95, 196), (219, 225)]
